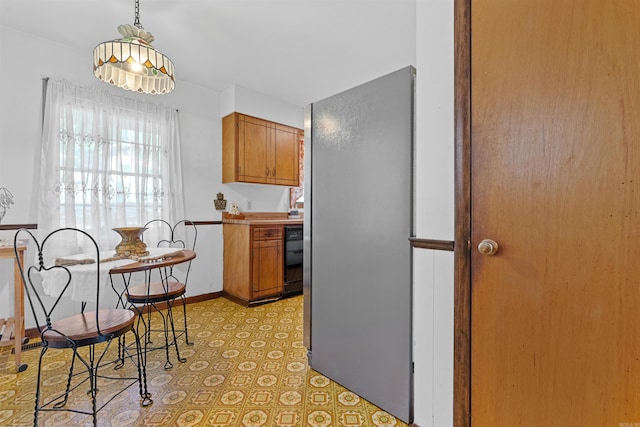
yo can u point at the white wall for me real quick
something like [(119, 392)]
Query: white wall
[(433, 270), (254, 103)]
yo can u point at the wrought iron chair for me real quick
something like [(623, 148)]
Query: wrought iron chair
[(157, 295), (47, 281)]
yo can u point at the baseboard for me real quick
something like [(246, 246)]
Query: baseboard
[(235, 299), (252, 303)]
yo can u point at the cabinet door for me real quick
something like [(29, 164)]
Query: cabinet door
[(230, 148), (285, 156), (259, 151), (237, 261), (267, 268), (253, 146)]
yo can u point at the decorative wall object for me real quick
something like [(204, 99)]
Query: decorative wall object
[(220, 202), (6, 200)]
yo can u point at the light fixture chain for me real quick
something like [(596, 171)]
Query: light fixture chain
[(136, 21)]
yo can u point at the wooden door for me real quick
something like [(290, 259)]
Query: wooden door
[(555, 181)]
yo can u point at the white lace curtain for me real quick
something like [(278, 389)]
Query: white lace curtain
[(107, 161)]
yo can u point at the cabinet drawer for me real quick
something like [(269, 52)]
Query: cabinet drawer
[(267, 233)]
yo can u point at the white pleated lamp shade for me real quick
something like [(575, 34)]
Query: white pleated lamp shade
[(131, 63)]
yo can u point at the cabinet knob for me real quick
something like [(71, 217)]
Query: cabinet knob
[(267, 171), (274, 172)]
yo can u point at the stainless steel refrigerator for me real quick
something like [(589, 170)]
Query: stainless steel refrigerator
[(357, 224)]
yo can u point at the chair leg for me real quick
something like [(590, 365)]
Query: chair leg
[(173, 330), (168, 321), (121, 353), (165, 324), (145, 332), (36, 408), (145, 396), (186, 330), (93, 384), (66, 394)]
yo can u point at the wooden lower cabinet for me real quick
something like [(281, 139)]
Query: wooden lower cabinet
[(267, 268), (253, 261)]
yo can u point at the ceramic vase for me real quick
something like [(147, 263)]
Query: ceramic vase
[(131, 244)]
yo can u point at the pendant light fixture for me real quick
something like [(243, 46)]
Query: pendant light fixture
[(131, 62)]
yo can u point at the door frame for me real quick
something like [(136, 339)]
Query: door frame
[(462, 215)]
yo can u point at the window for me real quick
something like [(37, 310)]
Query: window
[(107, 161)]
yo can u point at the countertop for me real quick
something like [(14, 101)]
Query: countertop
[(261, 218), (248, 221)]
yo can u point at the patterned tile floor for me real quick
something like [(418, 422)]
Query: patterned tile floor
[(247, 367)]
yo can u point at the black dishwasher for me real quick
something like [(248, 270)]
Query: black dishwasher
[(292, 260)]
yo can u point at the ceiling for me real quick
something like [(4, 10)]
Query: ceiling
[(298, 51)]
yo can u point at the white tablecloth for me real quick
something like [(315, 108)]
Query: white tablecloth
[(83, 276)]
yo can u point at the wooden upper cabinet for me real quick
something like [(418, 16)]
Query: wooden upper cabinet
[(259, 151)]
